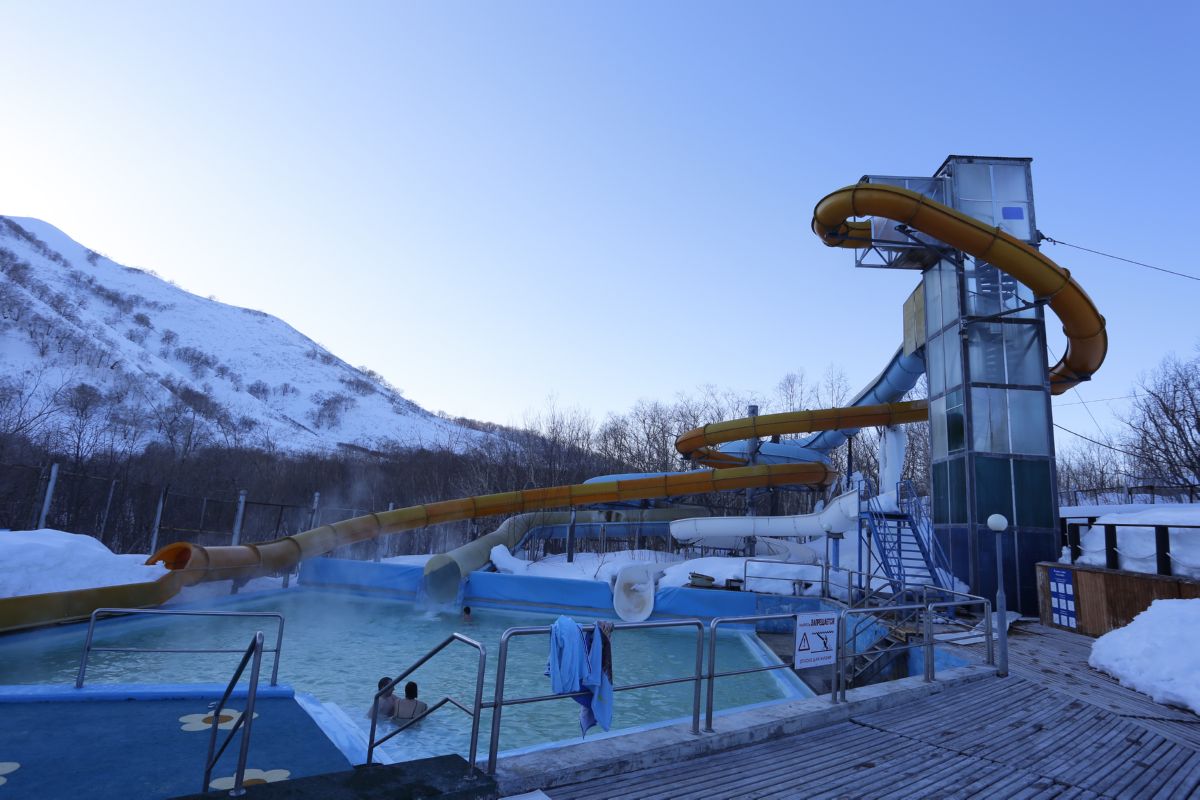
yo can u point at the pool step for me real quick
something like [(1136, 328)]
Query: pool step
[(445, 777)]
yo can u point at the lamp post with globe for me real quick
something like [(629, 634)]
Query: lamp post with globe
[(998, 523)]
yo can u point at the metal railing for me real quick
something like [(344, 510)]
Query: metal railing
[(245, 720), (924, 613), (474, 712), (88, 649), (498, 704), (746, 575), (1164, 559), (712, 658)]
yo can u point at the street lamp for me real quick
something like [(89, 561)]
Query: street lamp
[(998, 523)]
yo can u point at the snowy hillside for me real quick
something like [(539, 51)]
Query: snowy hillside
[(110, 351)]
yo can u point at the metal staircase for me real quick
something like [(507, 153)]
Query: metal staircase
[(901, 540)]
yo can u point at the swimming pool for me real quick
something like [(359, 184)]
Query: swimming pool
[(337, 644)]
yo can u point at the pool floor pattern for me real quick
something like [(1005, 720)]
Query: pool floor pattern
[(141, 748)]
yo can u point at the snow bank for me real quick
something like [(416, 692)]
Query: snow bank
[(53, 561), (1136, 545), (585, 567), (1151, 653), (764, 577)]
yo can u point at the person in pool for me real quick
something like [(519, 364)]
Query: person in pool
[(387, 702), (410, 708), (466, 615)]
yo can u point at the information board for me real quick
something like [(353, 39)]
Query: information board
[(1062, 597), (816, 639)]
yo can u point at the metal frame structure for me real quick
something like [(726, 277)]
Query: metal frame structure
[(88, 649)]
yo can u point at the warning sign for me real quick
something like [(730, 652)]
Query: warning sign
[(816, 639)]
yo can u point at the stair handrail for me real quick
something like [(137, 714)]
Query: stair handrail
[(245, 720), (910, 503), (847, 650), (474, 712)]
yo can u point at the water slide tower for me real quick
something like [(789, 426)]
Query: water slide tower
[(991, 442)]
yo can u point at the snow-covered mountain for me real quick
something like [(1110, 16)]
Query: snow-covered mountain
[(96, 348)]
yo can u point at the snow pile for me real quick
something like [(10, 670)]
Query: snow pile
[(764, 577), (1136, 545), (53, 561), (1151, 653), (585, 567)]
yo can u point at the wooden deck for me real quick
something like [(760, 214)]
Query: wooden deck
[(1053, 728)]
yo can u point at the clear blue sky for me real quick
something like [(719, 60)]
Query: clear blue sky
[(495, 203)]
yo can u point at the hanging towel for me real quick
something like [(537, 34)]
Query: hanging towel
[(598, 682), (573, 666)]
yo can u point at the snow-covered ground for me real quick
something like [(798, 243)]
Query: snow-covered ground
[(1135, 546), (1156, 654), (71, 317), (34, 562)]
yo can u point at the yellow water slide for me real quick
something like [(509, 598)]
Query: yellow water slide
[(1087, 340), (699, 444), (190, 564)]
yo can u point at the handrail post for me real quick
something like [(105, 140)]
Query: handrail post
[(248, 717), (480, 673), (498, 702), (87, 648), (699, 678), (928, 634), (837, 658), (712, 669), (278, 649), (987, 627)]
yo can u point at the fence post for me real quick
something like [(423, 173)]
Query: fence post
[(379, 539), (237, 519), (1111, 559), (49, 496), (162, 499), (1073, 541), (107, 506), (316, 511), (1162, 548)]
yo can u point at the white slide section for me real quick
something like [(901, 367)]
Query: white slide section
[(840, 516), (633, 591)]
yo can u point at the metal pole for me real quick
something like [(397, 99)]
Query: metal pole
[(107, 505), (316, 511), (1001, 609), (162, 499), (237, 519), (480, 673), (49, 496), (699, 678), (712, 674), (379, 542), (498, 704), (928, 644), (571, 538)]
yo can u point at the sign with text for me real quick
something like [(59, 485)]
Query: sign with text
[(1062, 598), (816, 639)]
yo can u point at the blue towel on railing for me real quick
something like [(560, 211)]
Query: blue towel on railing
[(573, 666)]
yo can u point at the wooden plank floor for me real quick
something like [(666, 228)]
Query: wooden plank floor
[(1053, 728)]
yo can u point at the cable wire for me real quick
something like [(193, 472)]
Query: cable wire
[(1119, 258), (1102, 444)]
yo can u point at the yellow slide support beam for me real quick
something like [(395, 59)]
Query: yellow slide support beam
[(190, 563), (698, 444), (1087, 340)]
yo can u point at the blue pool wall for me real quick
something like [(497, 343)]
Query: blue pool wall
[(529, 593)]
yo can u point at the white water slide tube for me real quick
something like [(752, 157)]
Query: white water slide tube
[(839, 516)]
